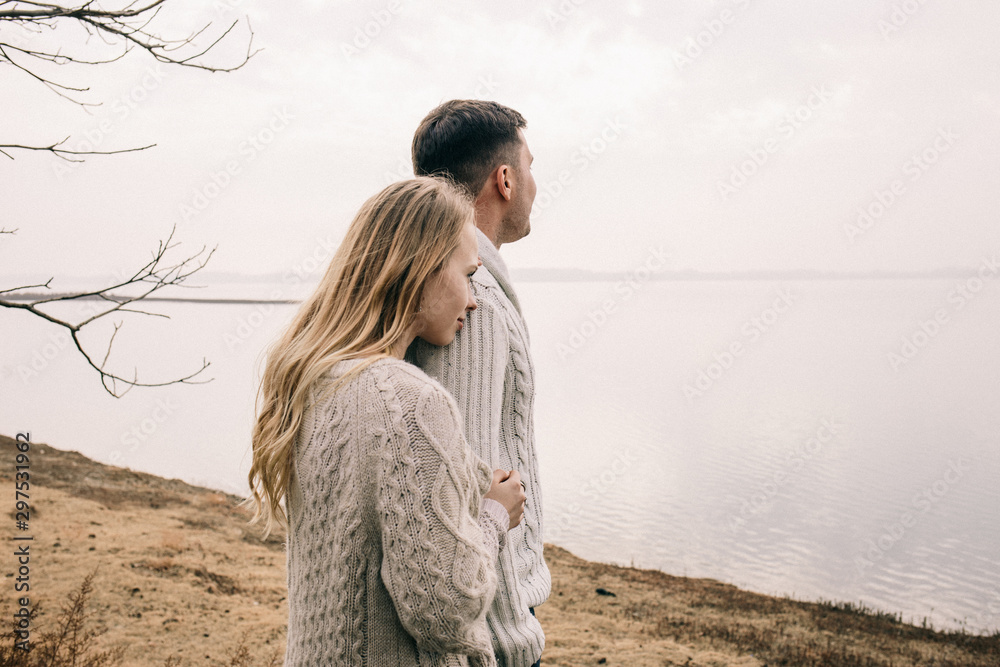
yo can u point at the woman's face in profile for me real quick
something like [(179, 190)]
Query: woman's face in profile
[(447, 296)]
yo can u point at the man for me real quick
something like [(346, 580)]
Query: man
[(488, 369)]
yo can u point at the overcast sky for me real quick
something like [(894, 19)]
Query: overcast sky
[(726, 135)]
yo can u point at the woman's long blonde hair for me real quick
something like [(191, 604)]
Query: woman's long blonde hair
[(365, 302)]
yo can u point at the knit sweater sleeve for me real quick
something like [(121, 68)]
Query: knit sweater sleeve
[(473, 369), (439, 574), (494, 521), (476, 366)]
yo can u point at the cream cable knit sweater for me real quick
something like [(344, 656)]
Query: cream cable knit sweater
[(390, 562), (488, 369)]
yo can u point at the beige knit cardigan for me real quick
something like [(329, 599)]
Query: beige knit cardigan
[(390, 561)]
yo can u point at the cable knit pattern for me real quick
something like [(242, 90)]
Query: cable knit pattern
[(391, 549), (488, 369)]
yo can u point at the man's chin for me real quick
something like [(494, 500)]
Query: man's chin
[(513, 235)]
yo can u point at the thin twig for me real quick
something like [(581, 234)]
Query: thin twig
[(67, 154), (16, 289)]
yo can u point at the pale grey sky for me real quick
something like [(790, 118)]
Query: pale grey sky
[(729, 135)]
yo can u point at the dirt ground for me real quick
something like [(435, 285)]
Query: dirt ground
[(180, 579)]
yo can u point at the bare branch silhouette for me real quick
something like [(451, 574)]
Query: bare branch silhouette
[(118, 32), (38, 37), (114, 29), (66, 154), (153, 276)]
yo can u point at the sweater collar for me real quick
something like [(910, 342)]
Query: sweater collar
[(493, 262)]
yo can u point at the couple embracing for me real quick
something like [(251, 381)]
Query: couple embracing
[(395, 420)]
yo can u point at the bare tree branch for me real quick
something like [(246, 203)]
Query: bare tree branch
[(57, 88), (119, 31), (111, 35), (125, 28), (153, 276), (64, 153), (58, 58)]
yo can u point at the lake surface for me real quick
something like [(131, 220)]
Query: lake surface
[(821, 439)]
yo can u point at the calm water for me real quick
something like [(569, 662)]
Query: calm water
[(835, 440)]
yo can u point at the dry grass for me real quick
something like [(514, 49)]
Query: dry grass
[(72, 640), (716, 622), (181, 580)]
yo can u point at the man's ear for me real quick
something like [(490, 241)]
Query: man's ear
[(503, 181)]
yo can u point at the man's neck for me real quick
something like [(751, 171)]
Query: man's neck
[(492, 237), (489, 224)]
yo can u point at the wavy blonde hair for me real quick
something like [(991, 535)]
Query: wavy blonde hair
[(365, 302)]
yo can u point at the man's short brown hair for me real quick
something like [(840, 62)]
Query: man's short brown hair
[(466, 140)]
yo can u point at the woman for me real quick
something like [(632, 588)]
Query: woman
[(393, 524)]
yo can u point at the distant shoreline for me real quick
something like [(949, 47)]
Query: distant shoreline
[(554, 276)]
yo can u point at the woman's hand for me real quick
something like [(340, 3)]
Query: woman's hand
[(508, 491)]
